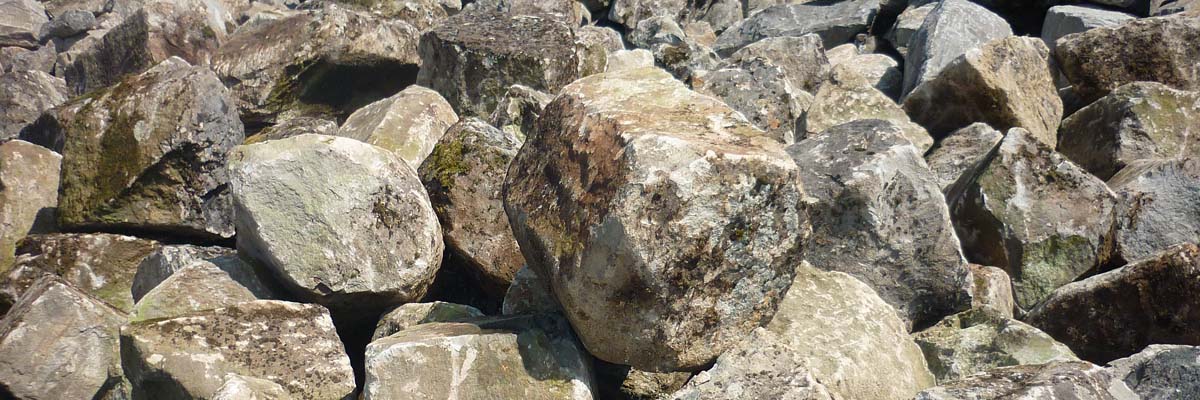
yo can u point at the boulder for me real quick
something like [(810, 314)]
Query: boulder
[(1140, 120), (1145, 302), (26, 95), (991, 289), (673, 50), (1065, 20), (1168, 7), (315, 209), (880, 70), (848, 96), (20, 22), (629, 13), (762, 366), (489, 358), (566, 11), (15, 59), (622, 382), (951, 28), (28, 194), (1028, 210), (164, 261), (1158, 49), (196, 287), (518, 110), (668, 231), (880, 216), (67, 24), (908, 23), (100, 264), (981, 339), (762, 93), (60, 343), (835, 22), (592, 45), (1159, 206), (529, 293), (1073, 380), (421, 14), (290, 344), (294, 127), (802, 59), (237, 387), (408, 123), (473, 58), (413, 314), (628, 59), (1159, 372), (465, 177), (960, 152), (1006, 83)]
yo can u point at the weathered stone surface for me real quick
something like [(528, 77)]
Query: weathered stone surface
[(529, 293), (636, 384), (26, 95), (421, 14), (802, 59), (316, 209), (1006, 83), (952, 28), (1168, 7), (673, 50), (836, 23), (678, 187), (566, 11), (1159, 206), (166, 260), (408, 123), (1031, 212), (880, 216), (291, 344), (28, 194), (20, 21), (1158, 49), (473, 58), (907, 25), (1140, 120), (762, 366), (465, 177), (518, 110), (960, 152), (412, 314), (67, 24), (848, 96), (237, 387), (492, 358), (15, 59), (881, 70), (101, 265), (1159, 372), (991, 289), (592, 45), (630, 12), (762, 93), (1149, 301), (294, 127), (979, 340), (196, 287), (59, 343), (1074, 380), (1065, 20), (628, 59)]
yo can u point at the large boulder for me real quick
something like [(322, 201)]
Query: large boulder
[(991, 289), (762, 93), (1067, 19), (981, 339), (880, 216), (762, 366), (629, 13), (518, 110), (341, 222), (26, 95), (1158, 49), (667, 225), (1159, 372), (196, 287), (907, 24), (412, 314), (961, 151), (28, 194), (951, 29), (673, 50), (1159, 206), (164, 261), (20, 22), (100, 264), (291, 344), (1149, 301), (802, 59), (1070, 380), (1005, 83), (848, 96), (408, 123), (1032, 212), (835, 22)]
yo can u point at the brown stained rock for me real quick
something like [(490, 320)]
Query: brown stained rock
[(28, 194), (102, 265)]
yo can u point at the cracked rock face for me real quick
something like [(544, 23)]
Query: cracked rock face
[(667, 225), (1160, 49)]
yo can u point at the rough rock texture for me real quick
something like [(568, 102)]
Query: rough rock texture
[(880, 216), (67, 24), (638, 384), (492, 358), (464, 177), (26, 95), (991, 289), (951, 29), (147, 154), (978, 340), (762, 93), (684, 57), (101, 265), (802, 59), (473, 58), (1006, 83), (291, 344), (592, 45), (315, 210), (1168, 7), (518, 110), (762, 366), (1150, 301), (421, 14), (907, 25), (1140, 120), (848, 96), (412, 314), (881, 70), (196, 287), (836, 23), (529, 293), (630, 12), (20, 21), (1065, 20), (1031, 212), (1159, 206), (1159, 372), (16, 59), (237, 387), (961, 151), (408, 123), (669, 231), (1075, 380), (28, 194), (295, 127), (625, 59), (1153, 49), (566, 11), (166, 260), (54, 321)]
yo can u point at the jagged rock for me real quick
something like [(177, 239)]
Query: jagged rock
[(565, 11), (628, 59), (100, 264), (762, 366), (836, 23), (848, 96), (501, 358), (1152, 49), (464, 177), (67, 24), (518, 110), (1075, 380), (237, 387), (1159, 206), (408, 123), (1034, 214), (592, 45), (841, 54), (762, 93), (315, 209), (960, 152), (1006, 83), (54, 8), (802, 59), (1140, 120), (952, 28), (981, 339), (322, 63), (529, 293), (629, 13), (196, 287), (421, 14), (673, 50), (15, 59), (1159, 372), (639, 257), (623, 382), (1149, 301), (1065, 20), (59, 343), (413, 314), (20, 21), (147, 154), (28, 194), (1168, 7), (473, 58), (294, 127), (991, 289), (291, 344), (907, 25), (882, 219), (880, 70), (26, 95), (164, 261)]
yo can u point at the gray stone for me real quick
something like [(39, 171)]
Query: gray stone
[(951, 29), (26, 95), (421, 14), (1065, 20), (629, 13), (762, 366), (20, 21), (719, 15), (294, 127), (673, 50), (841, 54), (638, 384), (880, 216), (1159, 206), (836, 23), (656, 270), (907, 25), (413, 314), (1168, 7), (957, 154), (237, 387), (196, 287), (979, 340), (565, 11), (101, 264), (1159, 372), (28, 194), (761, 92), (881, 70), (991, 289), (627, 59), (21, 59), (848, 96), (1075, 380), (1160, 49), (408, 124), (518, 110), (529, 293), (67, 24), (164, 261), (802, 59), (592, 46)]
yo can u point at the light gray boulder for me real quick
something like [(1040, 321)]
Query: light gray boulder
[(1074, 380), (412, 314), (196, 287), (294, 127), (907, 24), (848, 96), (951, 29), (1067, 19), (67, 24), (978, 340), (836, 23), (802, 59), (957, 154), (762, 366), (629, 13), (673, 50), (43, 59), (99, 264), (164, 261), (760, 91), (1158, 372), (1160, 49), (238, 387), (991, 289), (408, 123), (1158, 206), (27, 94), (28, 194), (628, 59), (20, 22)]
